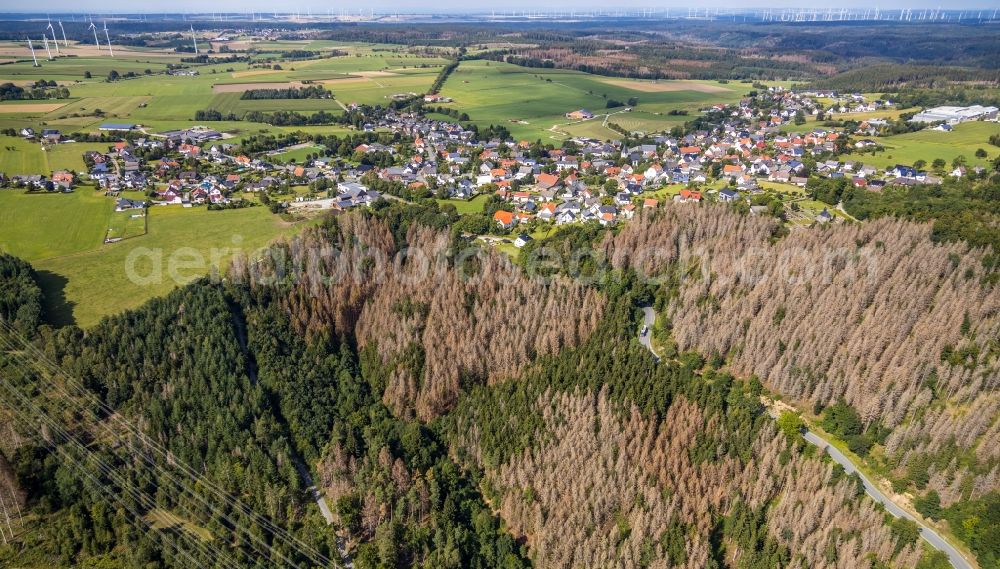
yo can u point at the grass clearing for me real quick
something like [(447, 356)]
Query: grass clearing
[(46, 225), (182, 244), (929, 145), (22, 157), (165, 520)]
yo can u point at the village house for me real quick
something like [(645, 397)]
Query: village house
[(504, 219), (63, 179), (727, 195)]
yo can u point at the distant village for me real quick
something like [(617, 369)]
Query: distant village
[(763, 138)]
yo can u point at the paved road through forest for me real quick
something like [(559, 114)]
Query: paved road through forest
[(324, 509), (931, 536)]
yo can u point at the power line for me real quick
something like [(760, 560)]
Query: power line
[(105, 469), (256, 542)]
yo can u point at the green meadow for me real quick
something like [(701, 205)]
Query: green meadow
[(25, 157), (69, 156), (19, 156), (930, 144), (43, 225), (62, 235), (181, 244), (532, 103)]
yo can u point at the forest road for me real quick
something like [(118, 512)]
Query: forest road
[(929, 535), (324, 509), (648, 319)]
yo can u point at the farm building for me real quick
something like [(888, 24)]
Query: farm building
[(112, 126)]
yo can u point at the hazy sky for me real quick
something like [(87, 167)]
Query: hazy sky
[(419, 6)]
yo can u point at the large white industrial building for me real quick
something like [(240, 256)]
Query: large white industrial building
[(955, 115)]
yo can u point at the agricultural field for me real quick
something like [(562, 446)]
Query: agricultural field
[(161, 102), (70, 70), (929, 145), (29, 107), (532, 103)]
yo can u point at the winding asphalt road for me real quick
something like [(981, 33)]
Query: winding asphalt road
[(929, 535)]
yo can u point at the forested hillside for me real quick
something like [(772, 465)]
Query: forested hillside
[(601, 457), (891, 337), (20, 296), (435, 326), (456, 412)]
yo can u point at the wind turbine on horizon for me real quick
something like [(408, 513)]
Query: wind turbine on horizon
[(32, 48), (108, 37), (55, 40), (96, 42)]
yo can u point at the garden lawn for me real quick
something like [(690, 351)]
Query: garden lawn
[(475, 205)]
